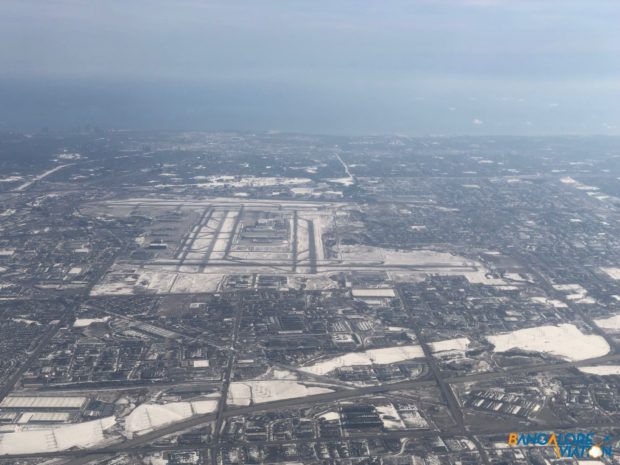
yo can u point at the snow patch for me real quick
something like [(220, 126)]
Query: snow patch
[(564, 341), (80, 435), (383, 356), (611, 323), (601, 370), (459, 344), (550, 302), (83, 322), (613, 273), (147, 417), (247, 392)]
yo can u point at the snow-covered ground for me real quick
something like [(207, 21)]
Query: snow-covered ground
[(457, 344), (343, 181), (156, 280), (147, 417), (235, 182), (373, 292), (601, 370), (302, 190), (613, 273), (26, 321), (54, 439), (412, 418), (430, 262), (383, 356), (518, 277), (330, 416), (390, 417), (551, 302), (575, 292), (83, 322), (11, 179), (611, 323), (246, 392), (564, 341)]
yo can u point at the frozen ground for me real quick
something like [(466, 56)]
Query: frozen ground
[(247, 392), (383, 356), (83, 322), (611, 323), (412, 418), (349, 181), (390, 417), (54, 439), (575, 293), (236, 182), (147, 417), (330, 416), (458, 344), (430, 262), (613, 273), (564, 341), (551, 302), (155, 280), (278, 374), (601, 370), (373, 292)]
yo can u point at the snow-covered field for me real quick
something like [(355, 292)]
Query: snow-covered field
[(302, 190), (234, 182), (564, 341), (54, 439), (430, 262), (196, 282), (247, 392), (613, 273), (457, 344), (330, 416), (601, 370), (147, 417), (156, 280), (383, 356), (612, 323), (575, 292), (373, 292), (390, 417), (551, 302), (83, 322), (349, 181)]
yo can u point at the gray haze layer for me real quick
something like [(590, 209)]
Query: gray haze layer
[(350, 67)]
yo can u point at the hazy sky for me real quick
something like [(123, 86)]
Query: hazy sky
[(352, 67)]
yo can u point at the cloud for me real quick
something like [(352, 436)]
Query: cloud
[(477, 122)]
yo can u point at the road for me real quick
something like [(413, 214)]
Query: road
[(39, 177), (12, 381), (444, 387), (345, 166), (221, 408), (308, 401), (86, 456)]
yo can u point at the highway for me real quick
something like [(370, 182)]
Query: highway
[(85, 456), (88, 455), (224, 412)]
